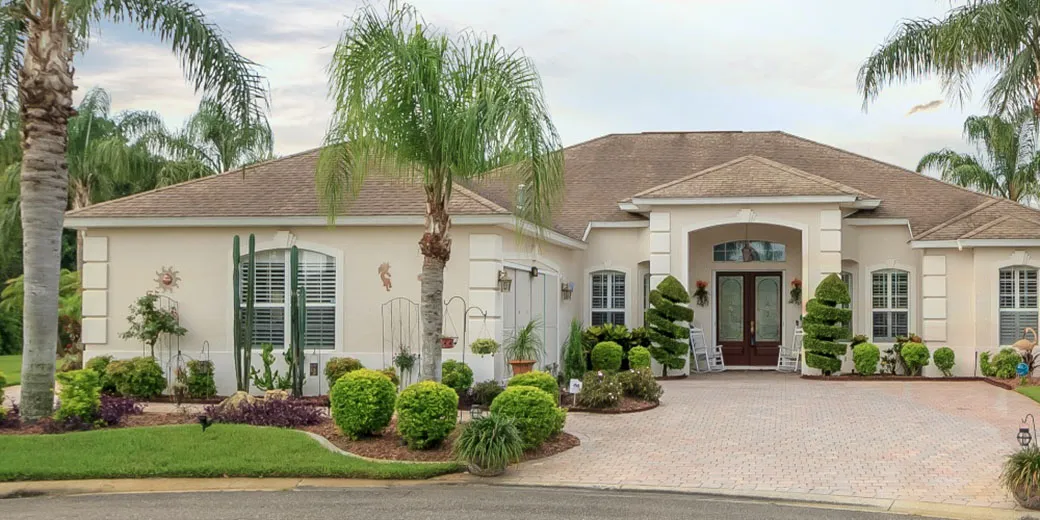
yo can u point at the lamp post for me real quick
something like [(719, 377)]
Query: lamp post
[(1026, 436)]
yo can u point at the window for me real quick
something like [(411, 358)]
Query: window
[(646, 292), (847, 278), (761, 251), (1018, 303), (271, 313), (890, 297), (608, 297)]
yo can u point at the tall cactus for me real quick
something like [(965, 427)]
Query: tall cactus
[(243, 326), (298, 332)]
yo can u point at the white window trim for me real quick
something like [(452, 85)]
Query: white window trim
[(1018, 259), (284, 240), (628, 291), (854, 290), (870, 309)]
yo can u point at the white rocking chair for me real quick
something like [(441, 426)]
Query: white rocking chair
[(703, 358), (790, 356)]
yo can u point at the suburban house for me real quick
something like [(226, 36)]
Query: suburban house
[(749, 213)]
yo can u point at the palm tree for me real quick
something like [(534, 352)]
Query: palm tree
[(38, 39), (979, 36), (435, 110), (1009, 160)]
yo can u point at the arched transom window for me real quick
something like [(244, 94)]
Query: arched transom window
[(749, 251)]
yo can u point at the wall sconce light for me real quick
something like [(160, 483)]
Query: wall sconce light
[(534, 272), (567, 290), (504, 281)]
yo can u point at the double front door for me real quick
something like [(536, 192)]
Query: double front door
[(749, 316)]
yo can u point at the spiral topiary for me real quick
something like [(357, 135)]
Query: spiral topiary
[(666, 321), (825, 323)]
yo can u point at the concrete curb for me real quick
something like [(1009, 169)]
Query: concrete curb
[(190, 485)]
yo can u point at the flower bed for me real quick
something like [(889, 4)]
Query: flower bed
[(625, 405)]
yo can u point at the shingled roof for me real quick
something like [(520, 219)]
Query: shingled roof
[(607, 170)]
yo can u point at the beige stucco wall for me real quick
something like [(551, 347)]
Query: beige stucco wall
[(616, 249)]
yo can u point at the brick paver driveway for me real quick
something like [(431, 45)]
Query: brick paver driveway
[(768, 432)]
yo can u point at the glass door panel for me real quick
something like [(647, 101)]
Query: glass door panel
[(768, 308), (731, 308)]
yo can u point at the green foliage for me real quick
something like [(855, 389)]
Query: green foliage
[(200, 379), (484, 346), (857, 339), (456, 375), (490, 443), (70, 300), (985, 366), (3, 380), (139, 377), (825, 323), (337, 366), (944, 360), (485, 392), (1021, 474), (639, 357), (607, 356), (574, 357), (866, 357), (1005, 363), (80, 396), (640, 384), (426, 414), (670, 340), (391, 374), (99, 364), (916, 357), (149, 322), (525, 344), (268, 379), (534, 412), (538, 379), (362, 402), (600, 390)]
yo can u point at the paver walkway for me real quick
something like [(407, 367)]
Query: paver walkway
[(922, 441)]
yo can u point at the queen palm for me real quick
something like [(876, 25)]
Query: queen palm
[(1008, 162), (38, 40), (436, 110), (980, 36)]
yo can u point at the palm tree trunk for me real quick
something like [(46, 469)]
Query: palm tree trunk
[(436, 249), (45, 92)]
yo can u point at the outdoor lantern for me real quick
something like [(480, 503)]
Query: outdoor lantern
[(1024, 437), (566, 290), (504, 281), (747, 252), (534, 272)]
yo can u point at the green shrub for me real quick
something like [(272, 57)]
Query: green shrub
[(426, 414), (3, 380), (534, 412), (607, 356), (489, 443), (866, 357), (200, 379), (336, 367), (575, 359), (457, 375), (600, 390), (99, 364), (639, 383), (825, 323), (538, 379), (391, 373), (140, 377), (80, 396), (985, 366), (639, 357), (485, 392), (362, 402), (484, 346), (670, 338), (944, 359), (1005, 363), (916, 356), (1020, 474)]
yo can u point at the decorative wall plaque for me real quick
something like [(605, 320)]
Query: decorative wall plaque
[(167, 279)]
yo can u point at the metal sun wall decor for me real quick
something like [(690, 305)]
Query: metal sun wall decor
[(167, 279), (384, 276)]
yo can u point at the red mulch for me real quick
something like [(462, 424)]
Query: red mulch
[(671, 378), (389, 446), (626, 405), (313, 400)]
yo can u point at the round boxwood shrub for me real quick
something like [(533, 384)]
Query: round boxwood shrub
[(1005, 363), (362, 402), (336, 367), (537, 379), (639, 357), (607, 356), (533, 411), (485, 392), (426, 414), (866, 357), (915, 355), (943, 358), (457, 375), (140, 377)]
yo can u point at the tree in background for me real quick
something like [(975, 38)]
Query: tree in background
[(1008, 160), (38, 39), (825, 323), (667, 320), (436, 110), (982, 35)]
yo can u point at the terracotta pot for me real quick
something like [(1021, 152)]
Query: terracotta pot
[(1027, 499), (447, 342), (521, 366), (484, 472)]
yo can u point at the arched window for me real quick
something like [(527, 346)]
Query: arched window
[(1018, 302), (608, 297), (271, 313), (760, 251), (890, 301)]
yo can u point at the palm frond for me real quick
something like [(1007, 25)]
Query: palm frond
[(12, 48)]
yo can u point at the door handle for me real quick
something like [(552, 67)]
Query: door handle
[(752, 333)]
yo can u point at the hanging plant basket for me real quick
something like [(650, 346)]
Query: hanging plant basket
[(448, 342)]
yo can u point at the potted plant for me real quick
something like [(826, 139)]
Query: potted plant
[(405, 360), (524, 348), (1021, 477), (701, 293), (447, 342), (484, 346), (488, 444)]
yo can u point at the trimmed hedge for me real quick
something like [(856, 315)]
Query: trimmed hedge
[(533, 411), (639, 357), (140, 377), (944, 359), (916, 356), (426, 414), (538, 379), (825, 323), (362, 402), (866, 357), (457, 375), (670, 340), (607, 356), (337, 367)]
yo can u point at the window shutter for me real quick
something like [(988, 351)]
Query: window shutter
[(619, 292), (269, 326), (1013, 325), (321, 327)]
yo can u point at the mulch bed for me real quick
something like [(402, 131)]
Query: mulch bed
[(314, 400), (626, 405), (857, 377), (671, 378), (388, 446), (130, 421)]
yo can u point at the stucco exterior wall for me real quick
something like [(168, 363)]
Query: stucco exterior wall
[(616, 249)]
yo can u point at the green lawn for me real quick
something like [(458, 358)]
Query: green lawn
[(11, 366), (1032, 392), (185, 451)]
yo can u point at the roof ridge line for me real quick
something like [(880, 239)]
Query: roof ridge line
[(693, 175), (480, 199), (811, 176), (980, 207), (985, 226)]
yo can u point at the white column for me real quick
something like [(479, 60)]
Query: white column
[(829, 243), (95, 293), (660, 247), (933, 298), (485, 261)]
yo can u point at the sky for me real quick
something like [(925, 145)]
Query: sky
[(607, 66)]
